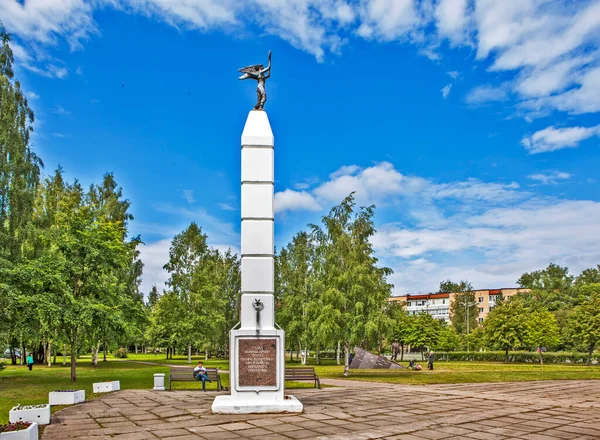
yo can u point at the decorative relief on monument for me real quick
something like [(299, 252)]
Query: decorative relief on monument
[(257, 362)]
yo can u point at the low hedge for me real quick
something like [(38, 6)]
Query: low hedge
[(516, 356)]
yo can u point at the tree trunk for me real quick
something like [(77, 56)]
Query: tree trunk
[(105, 349), (49, 356), (167, 353), (206, 354), (13, 356), (74, 355), (346, 358), (337, 354), (541, 358), (318, 355), (379, 347), (189, 353), (44, 349), (302, 354), (402, 353), (422, 355), (95, 350), (64, 354), (589, 358), (55, 353), (136, 351), (23, 353), (506, 355)]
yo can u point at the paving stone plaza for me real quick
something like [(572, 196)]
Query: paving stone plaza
[(350, 410)]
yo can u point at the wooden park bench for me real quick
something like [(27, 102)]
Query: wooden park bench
[(302, 374), (187, 375)]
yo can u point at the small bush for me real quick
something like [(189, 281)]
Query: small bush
[(2, 366), (121, 353)]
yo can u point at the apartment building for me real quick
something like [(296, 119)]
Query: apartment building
[(438, 304)]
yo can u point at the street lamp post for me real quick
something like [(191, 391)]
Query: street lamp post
[(467, 306)]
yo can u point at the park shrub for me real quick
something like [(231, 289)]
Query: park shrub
[(121, 353), (516, 356), (2, 366)]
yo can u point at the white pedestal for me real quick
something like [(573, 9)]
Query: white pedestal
[(159, 382), (30, 433), (255, 405), (257, 347), (66, 397), (39, 414), (107, 387)]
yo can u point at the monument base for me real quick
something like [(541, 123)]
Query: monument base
[(255, 405)]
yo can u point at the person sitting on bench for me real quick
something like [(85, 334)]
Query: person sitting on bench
[(200, 374)]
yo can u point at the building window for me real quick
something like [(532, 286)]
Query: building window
[(409, 304), (443, 301), (481, 299), (480, 319), (481, 310)]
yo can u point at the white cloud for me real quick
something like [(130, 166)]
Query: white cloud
[(486, 93), (60, 110), (494, 248), (32, 95), (453, 74), (79, 71), (58, 135), (226, 206), (446, 90), (548, 52), (154, 256), (188, 195), (473, 190), (452, 19), (387, 19), (552, 138), (372, 185), (290, 200), (549, 178)]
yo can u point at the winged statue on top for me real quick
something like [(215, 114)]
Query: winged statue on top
[(259, 73)]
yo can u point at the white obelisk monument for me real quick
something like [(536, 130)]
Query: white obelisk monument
[(257, 346)]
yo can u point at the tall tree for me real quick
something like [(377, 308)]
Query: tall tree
[(348, 280), (541, 331), (295, 294), (153, 296), (424, 331), (19, 179), (506, 325), (585, 320), (551, 287)]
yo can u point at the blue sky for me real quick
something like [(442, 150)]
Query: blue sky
[(472, 125)]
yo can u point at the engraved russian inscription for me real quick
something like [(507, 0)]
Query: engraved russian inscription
[(257, 362)]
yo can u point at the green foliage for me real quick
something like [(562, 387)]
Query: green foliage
[(424, 331), (202, 301), (2, 366), (448, 339), (505, 326), (515, 356), (121, 353), (585, 319)]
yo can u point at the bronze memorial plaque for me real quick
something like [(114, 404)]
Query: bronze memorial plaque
[(257, 362)]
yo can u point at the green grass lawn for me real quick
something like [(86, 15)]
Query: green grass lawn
[(463, 372), (19, 385)]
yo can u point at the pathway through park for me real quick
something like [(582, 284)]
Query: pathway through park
[(351, 410)]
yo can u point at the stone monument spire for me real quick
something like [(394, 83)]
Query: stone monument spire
[(257, 345)]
